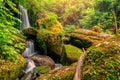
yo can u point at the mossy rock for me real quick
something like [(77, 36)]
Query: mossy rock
[(83, 38), (96, 29), (72, 53), (10, 70), (63, 73), (102, 61), (30, 33), (42, 69), (50, 35)]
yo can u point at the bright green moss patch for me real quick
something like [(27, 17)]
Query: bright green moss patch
[(72, 53)]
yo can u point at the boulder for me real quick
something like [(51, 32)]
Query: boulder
[(83, 38), (42, 60), (70, 54), (50, 35), (102, 61), (30, 33), (10, 70)]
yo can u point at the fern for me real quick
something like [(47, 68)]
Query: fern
[(7, 31)]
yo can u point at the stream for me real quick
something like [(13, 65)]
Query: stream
[(29, 51)]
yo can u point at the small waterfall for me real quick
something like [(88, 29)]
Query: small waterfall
[(29, 51), (23, 18), (29, 66)]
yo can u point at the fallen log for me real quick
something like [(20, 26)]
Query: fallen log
[(78, 73)]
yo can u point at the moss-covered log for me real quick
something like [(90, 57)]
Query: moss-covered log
[(103, 60)]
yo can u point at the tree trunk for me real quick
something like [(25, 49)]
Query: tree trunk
[(78, 73), (115, 21)]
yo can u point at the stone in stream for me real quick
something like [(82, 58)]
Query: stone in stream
[(42, 60)]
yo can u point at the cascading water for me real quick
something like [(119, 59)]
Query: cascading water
[(23, 18), (29, 49)]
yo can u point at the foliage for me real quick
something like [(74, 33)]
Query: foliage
[(10, 41), (81, 13), (100, 13), (11, 70), (69, 28), (48, 21)]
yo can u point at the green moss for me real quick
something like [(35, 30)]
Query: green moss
[(72, 53), (96, 29), (63, 73), (30, 33), (50, 35), (103, 61), (11, 70), (42, 69)]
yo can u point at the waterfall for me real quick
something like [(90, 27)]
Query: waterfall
[(23, 18), (29, 51), (25, 24), (29, 66)]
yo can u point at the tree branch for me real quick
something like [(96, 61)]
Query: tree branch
[(78, 73)]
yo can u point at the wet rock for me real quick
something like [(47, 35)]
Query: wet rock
[(42, 60)]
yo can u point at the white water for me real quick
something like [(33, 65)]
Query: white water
[(30, 66), (29, 51), (23, 18)]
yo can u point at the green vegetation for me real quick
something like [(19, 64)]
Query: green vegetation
[(11, 41), (72, 53), (50, 34), (30, 33), (11, 70), (42, 69), (102, 61), (63, 73), (51, 19)]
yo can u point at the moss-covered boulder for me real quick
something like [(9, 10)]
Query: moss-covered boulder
[(50, 34), (83, 38), (71, 54), (103, 60), (30, 33), (10, 70), (96, 29), (63, 73), (42, 69)]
